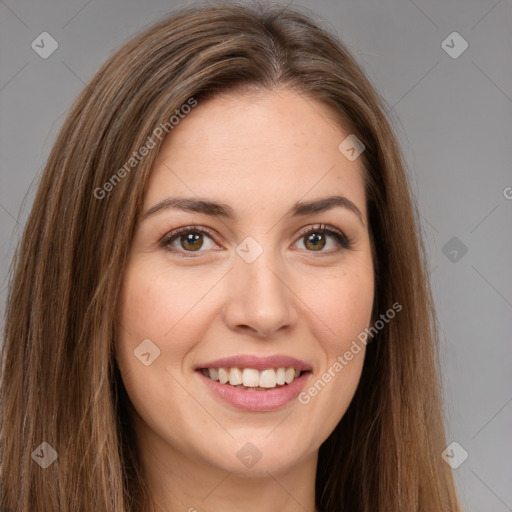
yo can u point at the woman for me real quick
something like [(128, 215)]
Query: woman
[(220, 301)]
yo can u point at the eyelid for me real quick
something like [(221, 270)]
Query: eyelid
[(319, 227)]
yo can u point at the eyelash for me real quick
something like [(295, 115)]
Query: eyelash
[(344, 242)]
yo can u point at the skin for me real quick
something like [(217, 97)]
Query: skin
[(258, 154)]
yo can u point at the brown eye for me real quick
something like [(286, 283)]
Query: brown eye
[(191, 241), (187, 240), (317, 238), (315, 241)]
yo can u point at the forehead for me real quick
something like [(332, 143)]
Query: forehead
[(269, 148)]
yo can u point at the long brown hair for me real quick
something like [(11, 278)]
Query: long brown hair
[(60, 383)]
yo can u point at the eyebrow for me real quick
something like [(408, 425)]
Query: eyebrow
[(208, 207)]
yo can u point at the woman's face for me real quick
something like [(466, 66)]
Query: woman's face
[(250, 290)]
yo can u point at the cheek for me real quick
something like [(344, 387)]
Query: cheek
[(155, 305), (352, 308), (343, 303), (155, 301), (342, 306)]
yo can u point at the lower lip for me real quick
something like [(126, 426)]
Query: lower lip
[(256, 401)]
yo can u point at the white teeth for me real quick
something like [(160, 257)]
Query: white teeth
[(290, 375), (235, 376), (280, 376), (252, 379), (268, 378), (223, 375)]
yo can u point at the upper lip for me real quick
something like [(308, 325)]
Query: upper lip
[(257, 362)]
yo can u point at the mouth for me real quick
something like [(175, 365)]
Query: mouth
[(255, 384), (251, 379)]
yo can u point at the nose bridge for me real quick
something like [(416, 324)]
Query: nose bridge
[(264, 276), (260, 298)]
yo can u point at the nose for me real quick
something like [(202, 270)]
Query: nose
[(260, 299)]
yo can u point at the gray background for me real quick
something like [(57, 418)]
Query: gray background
[(453, 117)]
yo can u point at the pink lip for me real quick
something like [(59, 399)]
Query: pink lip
[(256, 401), (258, 363)]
